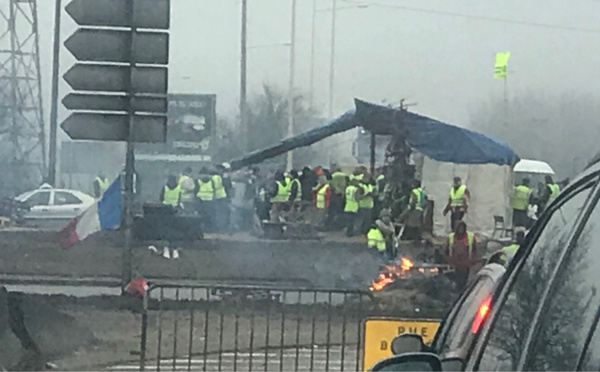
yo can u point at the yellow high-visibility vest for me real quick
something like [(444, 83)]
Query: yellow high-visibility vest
[(220, 192), (520, 198), (351, 202), (470, 237), (367, 202), (554, 191), (102, 184), (283, 194), (206, 190), (375, 239), (171, 196), (321, 194), (509, 251), (456, 196), (417, 191), (357, 177)]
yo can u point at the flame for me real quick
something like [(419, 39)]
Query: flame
[(390, 273), (406, 264)]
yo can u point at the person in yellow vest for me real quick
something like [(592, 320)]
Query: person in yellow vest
[(221, 202), (385, 226), (550, 193), (509, 251), (171, 193), (376, 242), (279, 196), (101, 184), (519, 202), (457, 202), (321, 200), (353, 195), (366, 203), (358, 174), (188, 185), (294, 186), (338, 183), (461, 253), (205, 196)]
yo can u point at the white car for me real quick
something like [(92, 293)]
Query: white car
[(53, 206)]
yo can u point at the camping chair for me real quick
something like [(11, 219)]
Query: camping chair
[(499, 226)]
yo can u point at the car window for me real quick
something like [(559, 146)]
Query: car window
[(65, 198), (510, 327), (39, 199), (571, 308), (460, 329)]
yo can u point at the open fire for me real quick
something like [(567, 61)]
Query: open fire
[(402, 269)]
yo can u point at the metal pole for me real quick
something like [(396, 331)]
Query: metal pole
[(506, 100), (290, 131), (129, 160), (244, 130), (54, 98), (312, 54), (332, 58), (373, 144)]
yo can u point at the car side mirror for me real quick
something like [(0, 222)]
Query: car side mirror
[(409, 362), (453, 364), (407, 343)]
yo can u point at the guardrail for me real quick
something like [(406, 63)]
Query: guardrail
[(232, 328)]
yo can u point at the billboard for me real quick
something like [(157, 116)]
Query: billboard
[(191, 126)]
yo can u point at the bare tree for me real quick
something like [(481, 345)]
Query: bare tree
[(558, 129)]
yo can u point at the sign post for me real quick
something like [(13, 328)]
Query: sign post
[(129, 60)]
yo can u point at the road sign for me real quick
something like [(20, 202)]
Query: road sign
[(154, 14), (114, 78), (114, 127), (379, 334), (103, 102), (100, 45)]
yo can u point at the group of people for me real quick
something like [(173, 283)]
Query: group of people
[(208, 194), (526, 205)]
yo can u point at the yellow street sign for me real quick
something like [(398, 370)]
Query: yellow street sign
[(379, 334)]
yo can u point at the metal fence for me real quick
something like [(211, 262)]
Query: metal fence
[(253, 328)]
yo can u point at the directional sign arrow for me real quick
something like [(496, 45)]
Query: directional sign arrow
[(103, 102), (110, 78), (99, 45), (115, 13), (115, 127)]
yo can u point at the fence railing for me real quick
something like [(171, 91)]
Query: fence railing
[(252, 328)]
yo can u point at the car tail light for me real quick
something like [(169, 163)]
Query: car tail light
[(482, 312)]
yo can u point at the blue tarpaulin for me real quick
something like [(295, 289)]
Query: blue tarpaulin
[(439, 141)]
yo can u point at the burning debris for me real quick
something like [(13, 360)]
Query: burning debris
[(404, 268)]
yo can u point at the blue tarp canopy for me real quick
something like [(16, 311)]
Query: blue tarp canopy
[(439, 141)]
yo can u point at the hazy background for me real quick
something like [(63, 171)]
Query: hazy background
[(437, 53)]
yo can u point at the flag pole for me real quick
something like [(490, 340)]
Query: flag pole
[(506, 99)]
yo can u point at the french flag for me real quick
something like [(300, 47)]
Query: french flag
[(104, 214)]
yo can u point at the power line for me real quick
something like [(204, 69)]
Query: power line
[(484, 18)]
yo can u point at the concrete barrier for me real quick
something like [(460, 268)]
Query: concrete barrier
[(338, 263)]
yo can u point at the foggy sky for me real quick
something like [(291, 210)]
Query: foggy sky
[(444, 63)]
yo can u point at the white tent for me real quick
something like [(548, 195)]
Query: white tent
[(489, 185)]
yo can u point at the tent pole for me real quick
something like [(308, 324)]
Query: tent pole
[(373, 143)]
